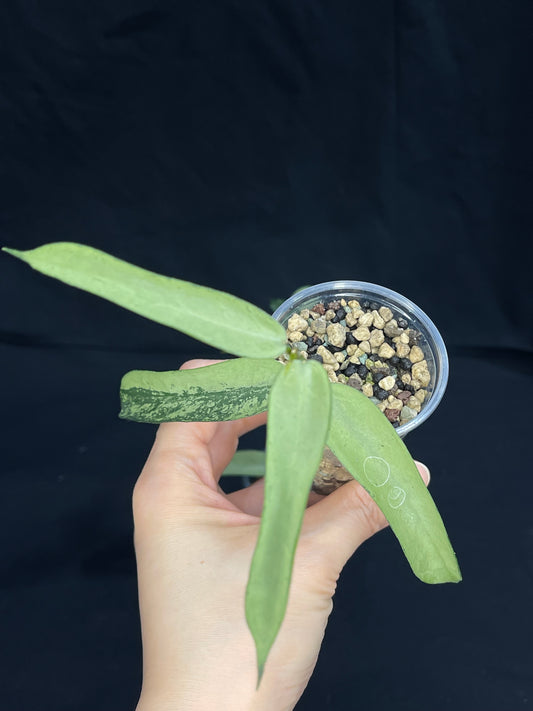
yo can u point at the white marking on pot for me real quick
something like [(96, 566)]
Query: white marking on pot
[(376, 470)]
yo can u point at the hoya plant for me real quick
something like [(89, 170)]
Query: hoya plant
[(306, 413)]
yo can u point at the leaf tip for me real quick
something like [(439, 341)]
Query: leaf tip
[(449, 574), (456, 576), (260, 672), (13, 252)]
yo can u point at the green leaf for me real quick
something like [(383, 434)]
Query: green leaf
[(369, 447), (214, 317), (275, 303), (298, 419), (215, 393), (246, 462)]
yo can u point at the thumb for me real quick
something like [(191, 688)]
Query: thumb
[(345, 519)]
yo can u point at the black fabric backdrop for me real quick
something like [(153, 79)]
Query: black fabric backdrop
[(256, 147)]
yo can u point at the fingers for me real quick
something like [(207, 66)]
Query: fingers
[(198, 363), (225, 440), (250, 500), (203, 447), (218, 440), (424, 472), (342, 521)]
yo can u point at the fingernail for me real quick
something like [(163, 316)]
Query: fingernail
[(423, 466)]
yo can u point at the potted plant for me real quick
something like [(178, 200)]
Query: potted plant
[(309, 408)]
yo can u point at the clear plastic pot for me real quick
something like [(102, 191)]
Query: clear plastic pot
[(431, 341)]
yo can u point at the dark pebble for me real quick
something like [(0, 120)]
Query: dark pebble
[(315, 356), (374, 306), (373, 358), (340, 313), (410, 388), (414, 338), (380, 393), (350, 370), (405, 364), (350, 339), (365, 305), (402, 323), (355, 382), (310, 341), (396, 423), (377, 375), (333, 349), (394, 360), (362, 371), (312, 349)]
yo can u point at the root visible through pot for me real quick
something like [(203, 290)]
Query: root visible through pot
[(330, 475)]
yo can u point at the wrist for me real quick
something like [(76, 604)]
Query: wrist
[(206, 681), (235, 691)]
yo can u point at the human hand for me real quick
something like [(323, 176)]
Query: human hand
[(194, 545)]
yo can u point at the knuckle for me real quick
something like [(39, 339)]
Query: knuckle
[(198, 363)]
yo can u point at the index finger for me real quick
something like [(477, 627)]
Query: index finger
[(208, 446)]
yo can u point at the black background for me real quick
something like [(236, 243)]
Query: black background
[(256, 147)]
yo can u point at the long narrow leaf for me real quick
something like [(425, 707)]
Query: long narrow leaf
[(214, 317), (246, 462), (222, 391), (368, 446), (298, 419)]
